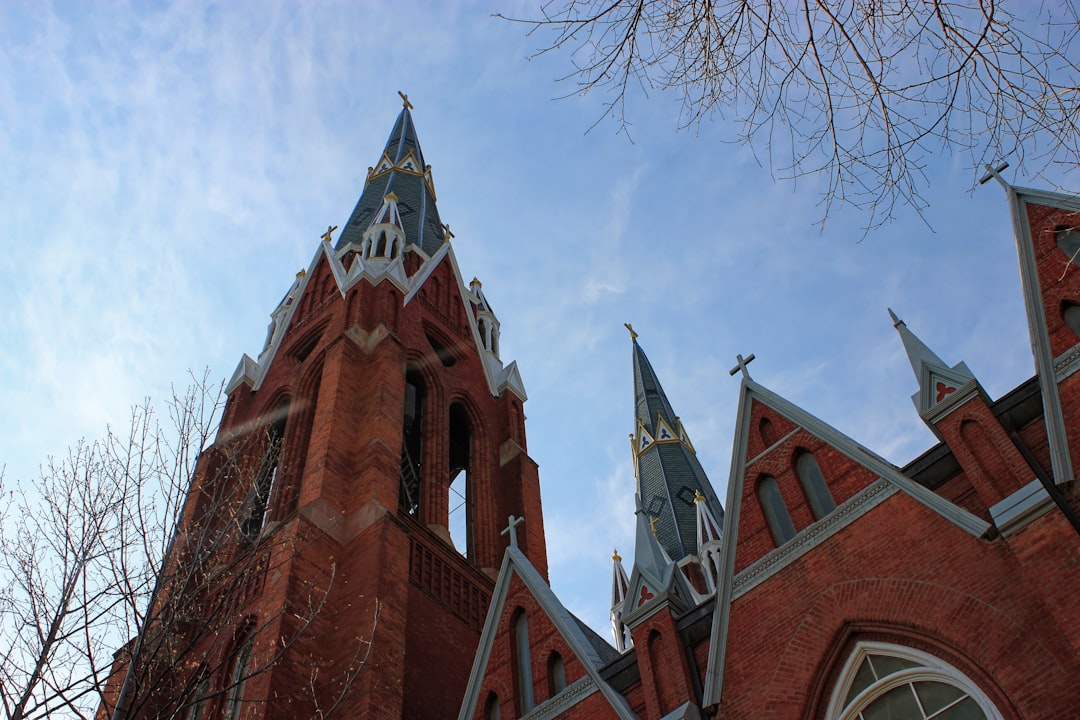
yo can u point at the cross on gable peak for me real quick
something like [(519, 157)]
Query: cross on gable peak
[(741, 365), (511, 529)]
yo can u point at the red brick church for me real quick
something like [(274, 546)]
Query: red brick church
[(388, 534)]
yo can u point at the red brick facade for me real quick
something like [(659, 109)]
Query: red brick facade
[(356, 603), (923, 562)]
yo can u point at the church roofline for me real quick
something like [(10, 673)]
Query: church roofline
[(750, 392), (569, 627)]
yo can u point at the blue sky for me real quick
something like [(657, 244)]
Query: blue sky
[(166, 170)]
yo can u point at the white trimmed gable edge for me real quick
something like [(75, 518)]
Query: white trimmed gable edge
[(253, 372), (750, 392), (515, 562)]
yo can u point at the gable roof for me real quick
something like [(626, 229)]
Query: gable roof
[(891, 480), (1019, 198), (589, 648)]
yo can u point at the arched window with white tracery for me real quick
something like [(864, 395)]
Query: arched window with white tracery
[(881, 680)]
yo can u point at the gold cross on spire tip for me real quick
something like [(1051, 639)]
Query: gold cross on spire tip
[(329, 234), (633, 335), (405, 101), (652, 524), (615, 555)]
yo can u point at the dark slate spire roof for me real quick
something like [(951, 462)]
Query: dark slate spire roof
[(401, 170), (668, 471)]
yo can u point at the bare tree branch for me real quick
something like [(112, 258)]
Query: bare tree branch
[(863, 92)]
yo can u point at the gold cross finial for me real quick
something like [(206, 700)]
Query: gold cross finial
[(633, 335), (615, 555), (698, 497), (328, 235), (446, 230), (405, 101), (652, 524)]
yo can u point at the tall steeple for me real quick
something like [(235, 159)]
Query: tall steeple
[(668, 473), (401, 171), (368, 460)]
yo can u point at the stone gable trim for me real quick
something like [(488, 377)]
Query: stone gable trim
[(574, 693), (810, 537), (1067, 363)]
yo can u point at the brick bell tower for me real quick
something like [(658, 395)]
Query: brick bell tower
[(391, 447)]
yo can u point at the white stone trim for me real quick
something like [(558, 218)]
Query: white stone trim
[(1067, 363), (571, 695), (1017, 510), (931, 668), (810, 537)]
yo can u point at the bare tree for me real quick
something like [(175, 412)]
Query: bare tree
[(862, 92), (146, 542)]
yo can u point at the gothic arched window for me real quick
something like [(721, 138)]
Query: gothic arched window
[(257, 505), (556, 674), (776, 512), (767, 432), (522, 662), (1070, 313), (197, 707), (238, 675), (813, 485), (411, 443), (491, 707), (881, 680), (459, 520), (1068, 241)]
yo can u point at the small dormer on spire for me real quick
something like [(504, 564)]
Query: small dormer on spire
[(708, 538), (941, 388), (384, 239), (620, 584), (486, 322)]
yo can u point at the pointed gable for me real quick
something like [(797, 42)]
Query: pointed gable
[(852, 473), (655, 580), (520, 592), (1043, 225), (941, 388), (857, 479)]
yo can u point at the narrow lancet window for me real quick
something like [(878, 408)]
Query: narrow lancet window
[(409, 490), (556, 674), (491, 711), (775, 511), (241, 669), (522, 662), (1070, 313), (459, 520), (257, 505), (813, 485), (1068, 241)]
